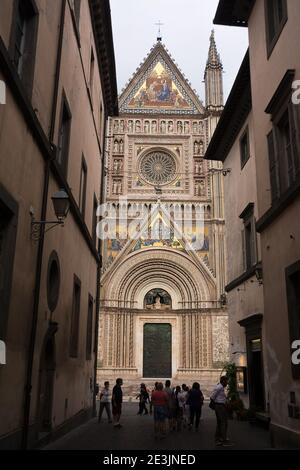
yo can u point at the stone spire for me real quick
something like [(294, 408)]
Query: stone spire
[(213, 77)]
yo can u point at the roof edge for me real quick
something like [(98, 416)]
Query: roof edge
[(234, 12), (102, 27)]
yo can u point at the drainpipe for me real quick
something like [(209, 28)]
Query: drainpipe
[(37, 288), (102, 198)]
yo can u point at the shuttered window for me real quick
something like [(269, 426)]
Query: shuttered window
[(273, 163)]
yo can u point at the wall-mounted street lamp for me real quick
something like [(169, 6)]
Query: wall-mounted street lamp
[(61, 206), (259, 273)]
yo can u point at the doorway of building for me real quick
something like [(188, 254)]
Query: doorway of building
[(256, 374), (253, 327), (46, 382), (157, 354)]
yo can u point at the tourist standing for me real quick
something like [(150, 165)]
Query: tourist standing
[(144, 398), (171, 405), (195, 401), (105, 402), (180, 401), (219, 399), (182, 398), (160, 402), (117, 399), (151, 404)]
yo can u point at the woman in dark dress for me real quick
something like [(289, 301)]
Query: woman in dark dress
[(144, 398), (195, 402)]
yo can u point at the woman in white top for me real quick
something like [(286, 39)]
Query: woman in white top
[(105, 397)]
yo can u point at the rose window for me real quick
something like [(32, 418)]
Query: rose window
[(158, 168)]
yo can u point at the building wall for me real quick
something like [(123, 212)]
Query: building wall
[(22, 170), (246, 299), (278, 249)]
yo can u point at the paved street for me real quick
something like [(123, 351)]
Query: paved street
[(137, 434)]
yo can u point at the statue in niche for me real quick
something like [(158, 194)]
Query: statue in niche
[(197, 168), (162, 127), (116, 146), (201, 148), (154, 127), (116, 127), (197, 188), (130, 126), (186, 127), (179, 127), (158, 299), (116, 166), (195, 128), (196, 148), (121, 146), (200, 188), (170, 127), (157, 302), (120, 187), (122, 126), (147, 127), (114, 188), (138, 126)]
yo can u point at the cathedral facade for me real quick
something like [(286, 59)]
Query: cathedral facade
[(163, 312)]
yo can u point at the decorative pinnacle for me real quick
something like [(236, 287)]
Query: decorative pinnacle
[(213, 55)]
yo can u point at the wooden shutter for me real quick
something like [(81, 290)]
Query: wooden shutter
[(273, 162), (253, 242), (244, 250), (294, 115)]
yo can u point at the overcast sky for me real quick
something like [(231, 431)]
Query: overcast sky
[(186, 32)]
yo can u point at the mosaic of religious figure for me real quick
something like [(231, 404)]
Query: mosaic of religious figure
[(159, 90)]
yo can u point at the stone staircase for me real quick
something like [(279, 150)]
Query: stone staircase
[(131, 386)]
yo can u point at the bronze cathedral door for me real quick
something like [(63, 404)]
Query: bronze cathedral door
[(157, 358)]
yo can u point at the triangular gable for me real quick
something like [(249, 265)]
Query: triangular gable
[(158, 86), (178, 240)]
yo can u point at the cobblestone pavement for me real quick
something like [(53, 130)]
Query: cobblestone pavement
[(137, 434)]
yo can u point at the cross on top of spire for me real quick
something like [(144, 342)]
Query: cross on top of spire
[(213, 55), (159, 36)]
